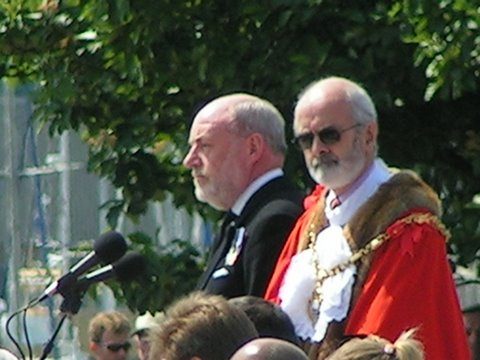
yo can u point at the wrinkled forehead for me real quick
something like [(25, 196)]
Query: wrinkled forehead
[(208, 128)]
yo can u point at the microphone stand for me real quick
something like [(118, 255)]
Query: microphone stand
[(49, 347), (72, 300)]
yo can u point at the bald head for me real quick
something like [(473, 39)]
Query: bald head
[(344, 109), (246, 114), (336, 92), (269, 349)]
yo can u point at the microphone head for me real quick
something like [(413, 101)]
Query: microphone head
[(130, 267), (110, 247)]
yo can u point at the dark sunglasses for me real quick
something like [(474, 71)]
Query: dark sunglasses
[(328, 136), (117, 347)]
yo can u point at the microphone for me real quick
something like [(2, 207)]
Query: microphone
[(129, 267), (109, 247)]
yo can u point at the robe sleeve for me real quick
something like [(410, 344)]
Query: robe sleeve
[(410, 285)]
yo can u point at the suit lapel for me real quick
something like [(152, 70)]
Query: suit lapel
[(221, 244), (224, 241)]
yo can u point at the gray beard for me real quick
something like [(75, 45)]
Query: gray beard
[(335, 174)]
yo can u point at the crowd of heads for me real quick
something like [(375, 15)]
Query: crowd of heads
[(200, 326)]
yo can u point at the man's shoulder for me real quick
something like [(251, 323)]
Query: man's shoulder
[(281, 206), (281, 188), (278, 198)]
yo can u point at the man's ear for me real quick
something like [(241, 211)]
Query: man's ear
[(93, 346), (371, 132), (255, 146)]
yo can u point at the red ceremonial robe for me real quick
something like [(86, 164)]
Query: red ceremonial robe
[(402, 289), (428, 302)]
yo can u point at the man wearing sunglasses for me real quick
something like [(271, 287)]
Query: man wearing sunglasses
[(109, 335), (237, 151), (368, 256)]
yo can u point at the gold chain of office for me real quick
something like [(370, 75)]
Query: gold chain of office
[(322, 274)]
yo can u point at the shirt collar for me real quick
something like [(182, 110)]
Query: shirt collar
[(237, 208), (356, 184), (356, 196)]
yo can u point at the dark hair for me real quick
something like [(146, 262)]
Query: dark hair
[(269, 319)]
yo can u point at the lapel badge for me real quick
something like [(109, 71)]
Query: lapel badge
[(236, 247)]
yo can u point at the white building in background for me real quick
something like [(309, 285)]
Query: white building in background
[(48, 204)]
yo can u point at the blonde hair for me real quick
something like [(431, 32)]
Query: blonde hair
[(112, 321), (406, 347)]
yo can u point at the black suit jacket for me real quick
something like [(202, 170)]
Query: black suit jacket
[(244, 253)]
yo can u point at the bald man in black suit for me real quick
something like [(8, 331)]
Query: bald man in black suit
[(237, 151)]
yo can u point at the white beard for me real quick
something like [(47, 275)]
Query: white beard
[(337, 173)]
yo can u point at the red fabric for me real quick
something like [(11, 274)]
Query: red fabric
[(291, 246), (409, 285)]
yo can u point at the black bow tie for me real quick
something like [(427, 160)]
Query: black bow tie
[(228, 225), (229, 217)]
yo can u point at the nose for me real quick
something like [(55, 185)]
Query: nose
[(318, 147), (122, 353), (191, 159)]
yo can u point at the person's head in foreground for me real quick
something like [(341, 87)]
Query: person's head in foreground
[(143, 324), (269, 319), (200, 327), (7, 355), (269, 349), (375, 348), (109, 336)]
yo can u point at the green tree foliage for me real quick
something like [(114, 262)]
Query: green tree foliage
[(129, 76), (171, 271)]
